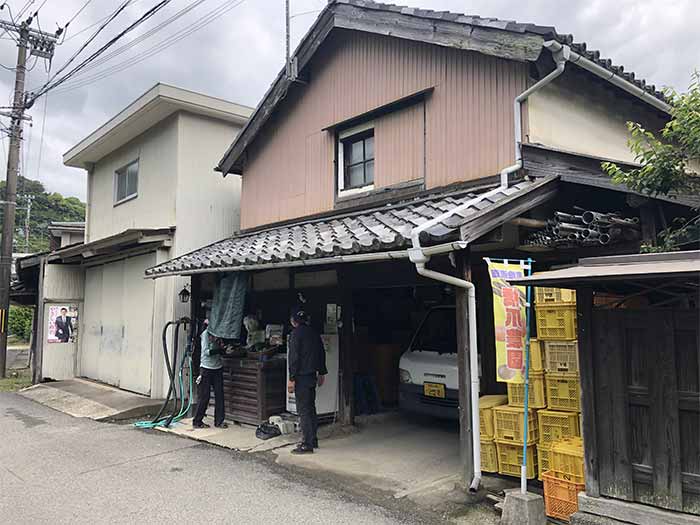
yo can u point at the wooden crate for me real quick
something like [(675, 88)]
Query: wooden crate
[(254, 390)]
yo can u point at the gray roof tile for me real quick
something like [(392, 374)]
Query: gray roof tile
[(378, 229)]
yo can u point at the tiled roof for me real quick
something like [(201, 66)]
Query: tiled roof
[(548, 32), (379, 229)]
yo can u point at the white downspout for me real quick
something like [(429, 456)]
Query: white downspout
[(418, 256)]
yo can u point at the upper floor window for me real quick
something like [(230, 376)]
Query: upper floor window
[(356, 160), (126, 182)]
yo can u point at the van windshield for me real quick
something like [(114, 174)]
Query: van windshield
[(438, 333)]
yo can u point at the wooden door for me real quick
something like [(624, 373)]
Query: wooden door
[(647, 404)]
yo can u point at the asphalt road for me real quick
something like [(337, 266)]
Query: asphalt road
[(58, 469)]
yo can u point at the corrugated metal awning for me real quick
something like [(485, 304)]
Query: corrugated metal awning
[(619, 268)]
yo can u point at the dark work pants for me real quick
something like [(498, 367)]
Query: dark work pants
[(305, 393), (210, 378)]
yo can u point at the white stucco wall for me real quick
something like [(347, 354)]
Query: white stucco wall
[(207, 204), (154, 207), (177, 187), (580, 116)]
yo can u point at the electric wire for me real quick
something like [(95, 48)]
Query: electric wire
[(41, 139), (88, 41), (126, 47), (70, 21), (157, 48), (69, 38), (56, 82)]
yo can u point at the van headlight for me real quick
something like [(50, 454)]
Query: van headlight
[(404, 376)]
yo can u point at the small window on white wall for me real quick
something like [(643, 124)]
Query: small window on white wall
[(356, 159), (126, 182)]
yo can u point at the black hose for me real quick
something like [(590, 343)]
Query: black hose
[(176, 338), (171, 374)]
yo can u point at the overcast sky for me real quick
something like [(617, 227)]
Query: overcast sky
[(238, 54)]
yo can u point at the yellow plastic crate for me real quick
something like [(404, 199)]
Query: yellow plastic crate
[(536, 356), (556, 323), (553, 426), (554, 296), (510, 459), (543, 454), (560, 496), (566, 460), (509, 424), (563, 391), (489, 456), (486, 404), (536, 393), (561, 356)]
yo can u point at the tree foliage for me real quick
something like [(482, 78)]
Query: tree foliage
[(669, 161), (46, 207), (19, 322)]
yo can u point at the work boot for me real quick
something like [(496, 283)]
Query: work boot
[(315, 443), (303, 449), (200, 425), (221, 425)]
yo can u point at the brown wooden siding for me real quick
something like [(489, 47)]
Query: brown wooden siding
[(466, 122)]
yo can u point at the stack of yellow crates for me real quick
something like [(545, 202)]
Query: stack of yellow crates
[(560, 447), (489, 454)]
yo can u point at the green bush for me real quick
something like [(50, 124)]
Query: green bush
[(20, 322)]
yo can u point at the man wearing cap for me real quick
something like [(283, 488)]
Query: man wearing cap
[(307, 369)]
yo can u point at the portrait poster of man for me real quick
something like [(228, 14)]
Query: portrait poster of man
[(63, 323)]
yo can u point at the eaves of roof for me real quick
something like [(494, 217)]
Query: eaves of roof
[(484, 35), (383, 230)]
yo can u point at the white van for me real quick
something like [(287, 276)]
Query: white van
[(428, 376)]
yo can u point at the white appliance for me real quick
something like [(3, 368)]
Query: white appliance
[(326, 395)]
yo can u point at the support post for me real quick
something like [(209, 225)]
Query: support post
[(466, 451), (586, 359), (10, 204), (347, 350)]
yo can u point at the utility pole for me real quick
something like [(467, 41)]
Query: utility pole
[(41, 44)]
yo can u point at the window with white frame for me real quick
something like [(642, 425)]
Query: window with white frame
[(126, 182), (356, 159)]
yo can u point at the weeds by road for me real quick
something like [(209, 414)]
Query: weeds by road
[(16, 380)]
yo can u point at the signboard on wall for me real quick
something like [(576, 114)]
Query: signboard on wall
[(509, 314), (63, 323)]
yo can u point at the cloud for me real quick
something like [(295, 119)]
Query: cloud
[(237, 56)]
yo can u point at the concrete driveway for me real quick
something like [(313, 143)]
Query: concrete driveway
[(59, 469)]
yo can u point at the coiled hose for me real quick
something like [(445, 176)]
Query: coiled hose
[(176, 415)]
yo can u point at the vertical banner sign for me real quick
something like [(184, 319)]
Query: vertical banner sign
[(509, 314)]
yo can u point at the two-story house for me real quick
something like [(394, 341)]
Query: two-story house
[(456, 136), (151, 196)]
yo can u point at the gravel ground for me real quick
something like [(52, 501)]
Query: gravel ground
[(58, 469)]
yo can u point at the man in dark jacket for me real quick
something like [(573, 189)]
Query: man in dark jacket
[(307, 369)]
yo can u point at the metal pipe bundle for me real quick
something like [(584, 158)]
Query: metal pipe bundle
[(589, 228)]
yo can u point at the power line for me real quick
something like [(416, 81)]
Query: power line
[(157, 48), (88, 41), (65, 26), (69, 38), (148, 14), (145, 36)]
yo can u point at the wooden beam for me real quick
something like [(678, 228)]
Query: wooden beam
[(466, 451), (632, 512), (347, 350), (665, 427), (611, 403), (507, 209), (584, 307), (488, 41)]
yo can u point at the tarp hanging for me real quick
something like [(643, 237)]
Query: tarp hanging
[(228, 305)]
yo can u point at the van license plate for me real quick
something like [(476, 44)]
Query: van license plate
[(434, 390)]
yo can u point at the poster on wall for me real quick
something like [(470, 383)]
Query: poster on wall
[(509, 314), (63, 323)]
